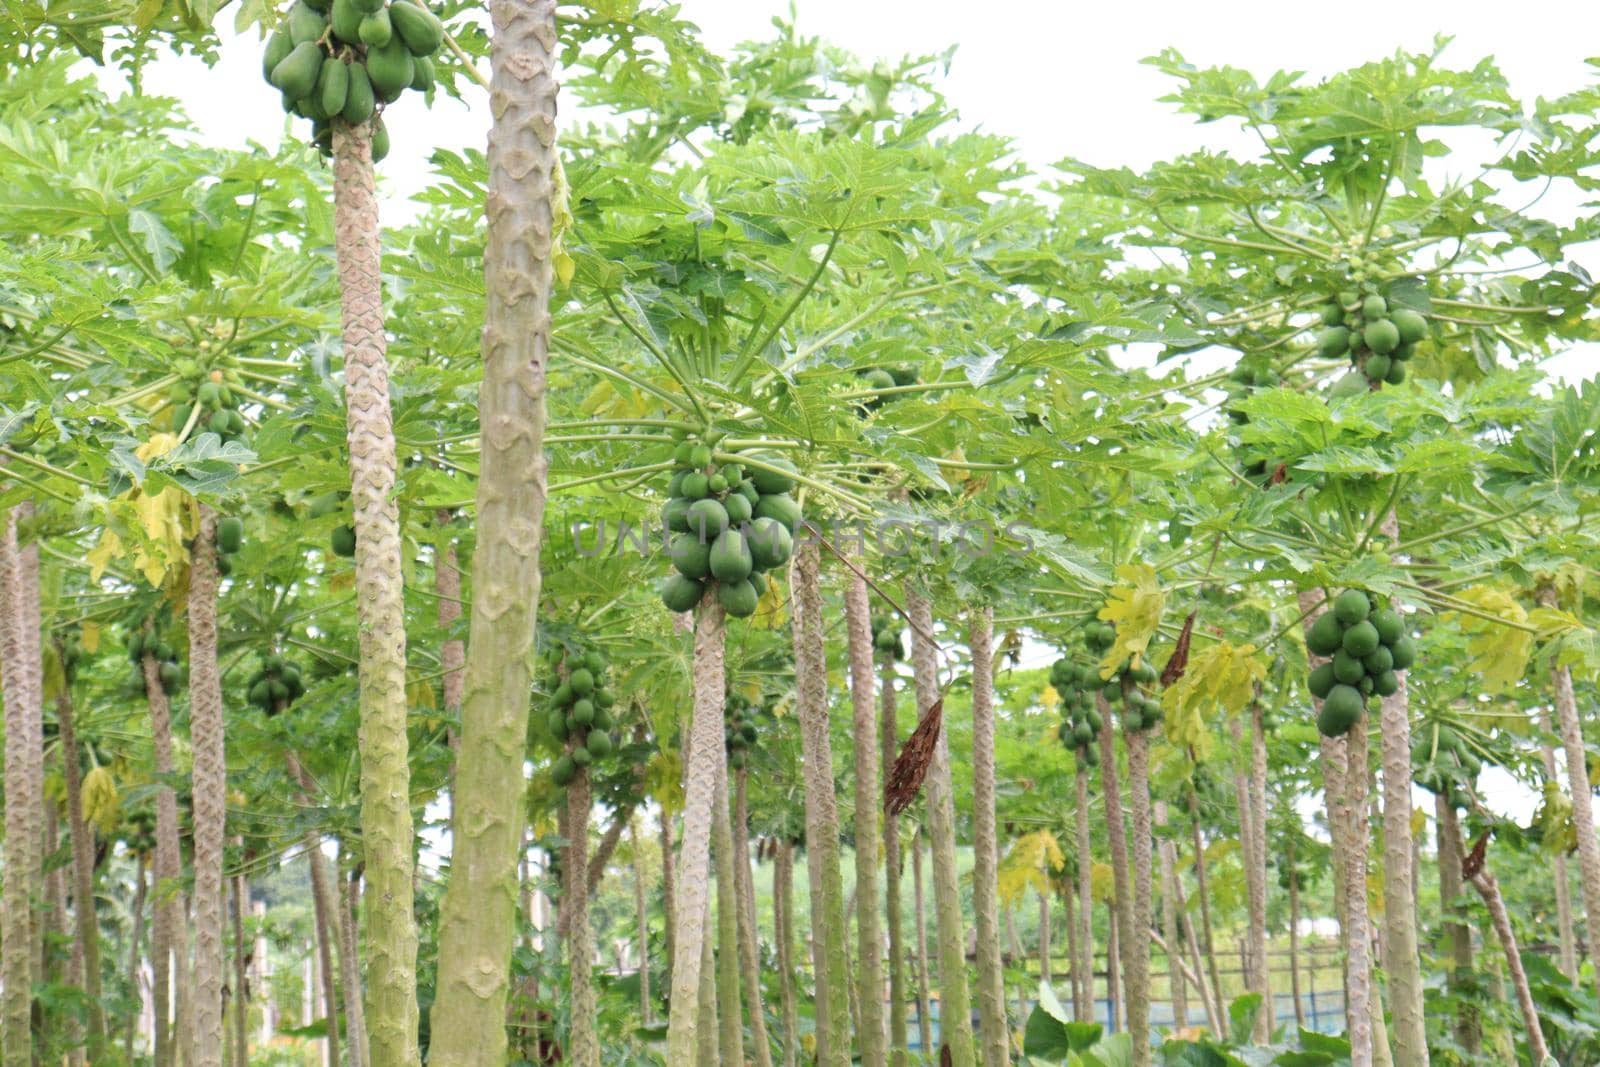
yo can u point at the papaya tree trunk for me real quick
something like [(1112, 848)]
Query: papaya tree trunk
[(1357, 958), (924, 985), (641, 924), (1209, 997), (730, 1033), (996, 1038), (322, 905), (707, 1029), (1202, 888), (1045, 937), (86, 922), (210, 793), (669, 911), (1569, 944), (694, 850), (1457, 934), (1401, 962), (890, 741), (1489, 890), (1256, 873), (1136, 958), (955, 1004), (749, 935), (22, 685), (135, 941), (783, 924), (168, 868), (477, 921), (1166, 855), (241, 980), (1122, 877), (1083, 961), (386, 826), (1294, 942), (869, 931), (1113, 967), (583, 1041), (828, 925)]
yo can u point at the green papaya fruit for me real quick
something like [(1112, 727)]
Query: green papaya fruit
[(779, 506), (1321, 681), (171, 676), (1377, 368), (682, 454), (1325, 635), (333, 85), (878, 378), (1361, 640), (422, 74), (1389, 624), (699, 457), (563, 695), (224, 566), (1351, 606), (772, 482), (599, 744), (230, 534), (380, 141), (738, 508), (297, 74), (1352, 384), (582, 713), (730, 558), (556, 723), (1378, 660), (343, 541), (390, 68), (771, 544), (717, 484), (1332, 314), (1381, 336), (582, 682), (594, 661), (261, 695), (1412, 326), (696, 486), (180, 416), (418, 27), (305, 24), (367, 7), (707, 518), (345, 18), (581, 756), (691, 555), (279, 45), (1404, 651), (739, 599), (359, 102), (564, 770), (1374, 308), (1334, 341), (1347, 668), (375, 29), (675, 514), (679, 593), (1340, 711), (1397, 374)]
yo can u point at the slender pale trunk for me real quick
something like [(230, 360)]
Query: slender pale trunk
[(1167, 856), (996, 1040), (134, 940), (749, 936), (924, 985), (1402, 964), (705, 745), (1209, 998), (22, 685), (1256, 880), (669, 911), (583, 1041), (783, 927), (707, 1029), (1045, 937), (478, 915), (386, 827), (1114, 968), (1489, 890), (210, 794), (730, 1033), (322, 906), (1123, 906), (1202, 887), (828, 925), (168, 870), (1294, 941), (889, 726), (1563, 886), (641, 923), (1457, 934), (1083, 961), (1136, 957), (241, 980), (955, 1004), (86, 923), (869, 804)]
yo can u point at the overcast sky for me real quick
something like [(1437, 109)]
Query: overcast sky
[(1061, 79)]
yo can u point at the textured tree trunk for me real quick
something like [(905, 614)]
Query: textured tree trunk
[(868, 730), (1135, 996), (1136, 959), (210, 793), (168, 868), (20, 677), (477, 920), (641, 924), (1167, 856), (1256, 793), (1401, 961), (86, 922), (828, 925), (1489, 890), (749, 936), (386, 827), (1114, 968), (669, 911), (322, 906), (890, 740), (447, 584), (783, 926), (955, 1004), (1208, 997), (1353, 747), (706, 1026), (1294, 942), (1083, 962), (996, 1040), (241, 980), (705, 745), (1457, 934), (924, 985), (1202, 888), (1563, 886), (1045, 937), (134, 940), (583, 1040), (730, 1033)]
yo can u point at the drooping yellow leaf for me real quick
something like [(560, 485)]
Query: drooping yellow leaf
[(1558, 833), (1102, 882), (1499, 653), (1220, 677), (99, 797), (772, 611), (1419, 821), (663, 777), (89, 636), (101, 555), (1030, 862), (419, 694), (1050, 699), (1134, 607)]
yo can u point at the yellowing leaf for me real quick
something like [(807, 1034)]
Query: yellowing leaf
[(1031, 861), (1135, 608), (420, 696), (1050, 698), (1499, 653), (89, 635), (101, 555), (663, 777), (1220, 677), (1102, 882), (1558, 833), (98, 795), (772, 612), (1419, 821)]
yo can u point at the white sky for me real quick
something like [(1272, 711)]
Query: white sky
[(1059, 78)]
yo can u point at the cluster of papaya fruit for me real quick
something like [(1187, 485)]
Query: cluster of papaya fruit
[(343, 539), (1143, 711), (168, 669), (1445, 766), (578, 716), (882, 378), (275, 685), (343, 58), (886, 631), (206, 404), (739, 731), (1379, 338), (727, 524), (1367, 645), (1081, 722), (230, 538)]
